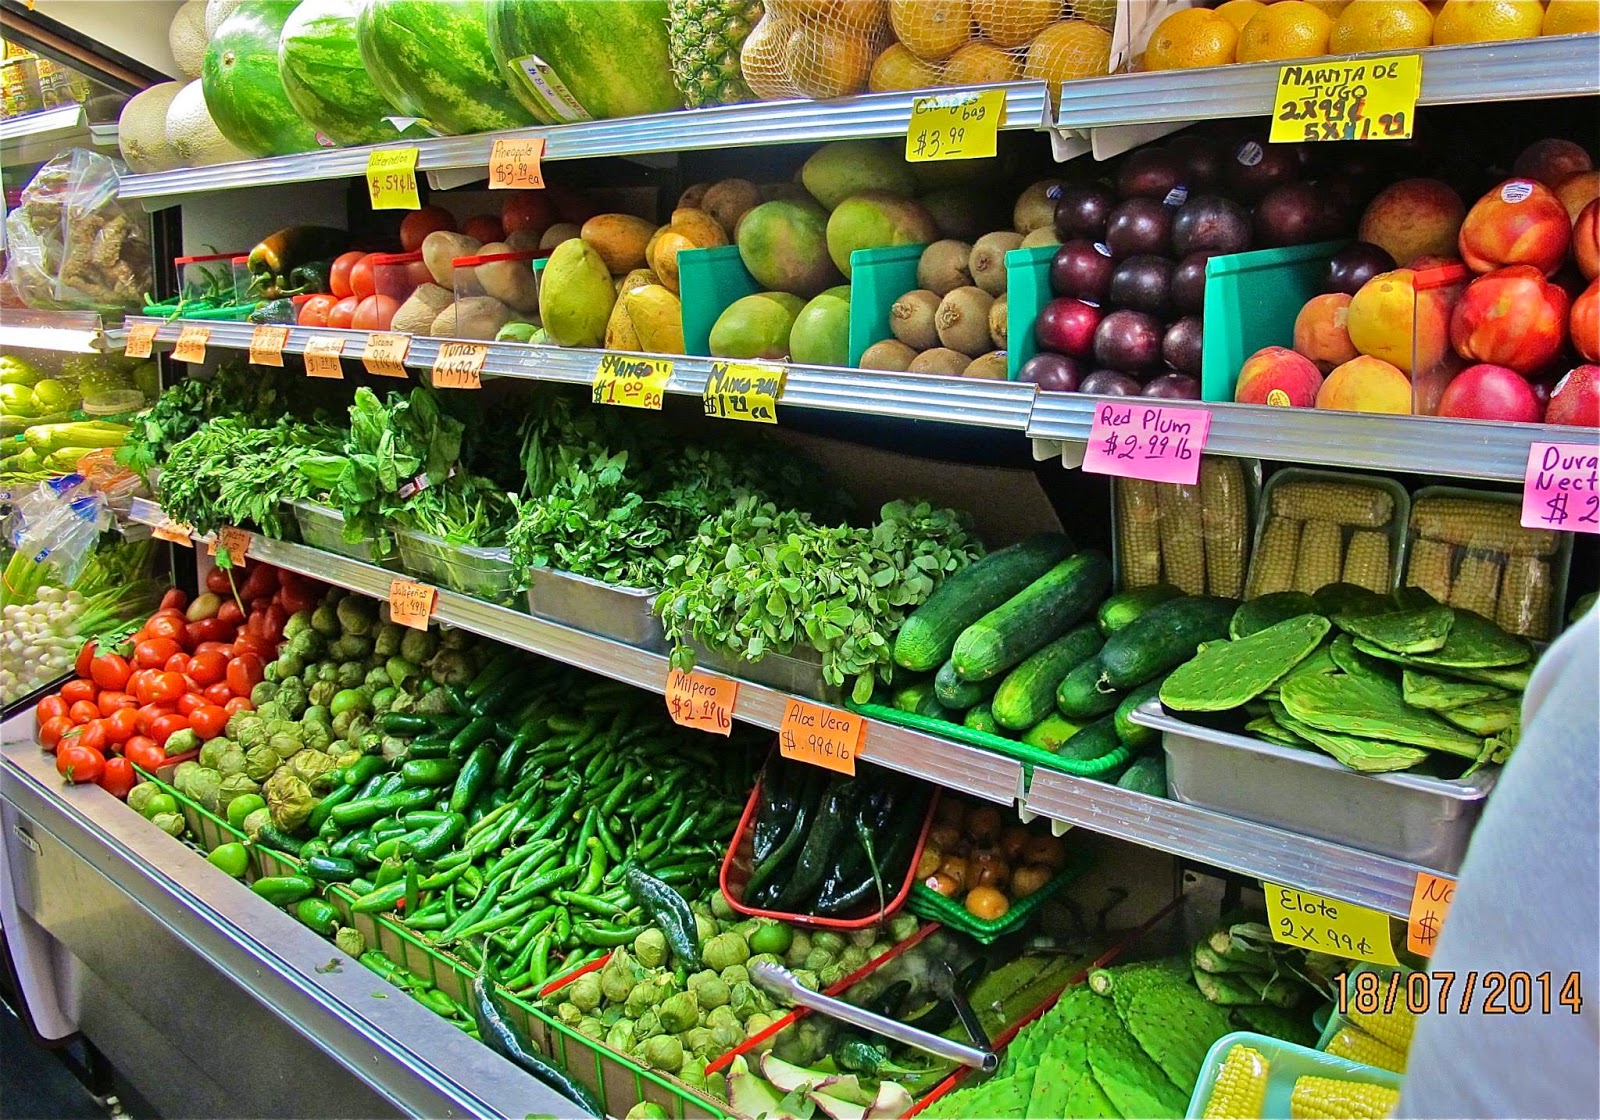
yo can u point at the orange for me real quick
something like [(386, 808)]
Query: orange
[(1486, 21), (1240, 12), (1291, 29), (980, 63), (1100, 12), (1382, 25), (1332, 8), (1014, 23), (931, 29), (1193, 37), (898, 69), (865, 16), (1571, 17), (828, 63), (1067, 51)]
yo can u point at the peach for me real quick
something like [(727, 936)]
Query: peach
[(1277, 376), (1413, 217), (1366, 385), (1586, 240), (1510, 317), (1585, 322), (1575, 401), (1490, 392), (1383, 322), (1320, 333), (1521, 221), (1578, 190), (1551, 161)]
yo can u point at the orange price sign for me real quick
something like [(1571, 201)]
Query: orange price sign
[(514, 164), (1430, 902), (459, 365), (232, 542), (410, 603), (385, 354), (820, 735), (702, 702), (174, 532), (322, 357), (191, 345), (141, 337), (266, 345)]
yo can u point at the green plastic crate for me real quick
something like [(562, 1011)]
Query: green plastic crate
[(878, 277), (1286, 1062), (1027, 291), (708, 281), (930, 904), (1252, 300)]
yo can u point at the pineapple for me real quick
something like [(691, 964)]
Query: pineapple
[(704, 37)]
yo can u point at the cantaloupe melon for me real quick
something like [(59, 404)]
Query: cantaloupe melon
[(194, 137), (187, 38), (216, 12), (142, 129)]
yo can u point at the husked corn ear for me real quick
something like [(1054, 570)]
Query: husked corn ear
[(1316, 1098), (1272, 567), (1321, 556), (1494, 526), (1524, 606), (1393, 1028), (1477, 583), (1227, 524), (1347, 503), (1138, 534), (1366, 560), (1183, 555), (1359, 1046), (1428, 567), (1240, 1090)]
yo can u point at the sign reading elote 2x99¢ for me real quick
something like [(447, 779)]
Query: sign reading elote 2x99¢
[(1152, 442), (820, 735), (1326, 925)]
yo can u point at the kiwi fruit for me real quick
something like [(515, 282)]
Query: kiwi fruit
[(943, 267), (940, 359), (997, 321), (911, 319), (963, 321), (1036, 206), (1044, 235), (987, 263), (693, 195), (990, 366), (891, 355)]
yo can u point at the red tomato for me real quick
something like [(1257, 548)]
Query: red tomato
[(167, 626), (363, 282), (375, 313), (191, 702), (177, 663), (218, 693), (419, 223), (208, 721), (230, 613), (110, 701), (244, 673), (251, 644), (207, 668), (49, 708), (339, 274), (117, 778), (122, 725), (261, 580), (84, 660), (272, 625), (209, 630), (165, 688), (110, 670), (416, 274), (218, 583), (152, 653), (74, 691), (239, 704), (51, 730), (174, 600), (143, 753), (82, 711), (165, 727), (95, 734), (484, 227), (149, 713), (79, 763), (295, 598), (214, 647), (343, 312), (527, 212), (314, 311)]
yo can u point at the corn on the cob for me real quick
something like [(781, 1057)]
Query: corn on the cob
[(1138, 534), (1495, 526), (1321, 556), (1524, 606), (1366, 560), (1393, 1028), (1316, 1098), (1227, 524), (1347, 503), (1477, 583), (1359, 1046), (1428, 567), (1240, 1090), (1272, 567), (1183, 555)]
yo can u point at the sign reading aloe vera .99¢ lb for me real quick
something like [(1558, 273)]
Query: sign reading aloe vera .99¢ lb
[(820, 735), (1152, 442)]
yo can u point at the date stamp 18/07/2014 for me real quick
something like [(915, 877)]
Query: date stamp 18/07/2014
[(1450, 993)]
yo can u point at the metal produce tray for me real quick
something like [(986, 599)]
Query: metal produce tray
[(798, 673), (623, 614), (1413, 817), (323, 527)]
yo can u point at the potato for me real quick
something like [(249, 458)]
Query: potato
[(513, 283), (474, 317), (440, 248), (556, 234)]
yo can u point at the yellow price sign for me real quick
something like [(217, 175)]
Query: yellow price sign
[(266, 345), (385, 354), (322, 356), (392, 179), (955, 126), (631, 381), (736, 391), (514, 165), (1362, 99), (141, 337), (191, 346), (1325, 925)]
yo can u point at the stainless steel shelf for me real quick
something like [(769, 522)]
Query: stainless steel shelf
[(67, 332)]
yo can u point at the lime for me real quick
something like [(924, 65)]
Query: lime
[(232, 858), (242, 806), (160, 803), (771, 937)]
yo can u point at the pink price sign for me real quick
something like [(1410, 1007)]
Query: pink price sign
[(1559, 490), (1149, 441)]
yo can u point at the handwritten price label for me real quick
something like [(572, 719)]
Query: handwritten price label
[(1372, 99), (514, 165), (1559, 487), (385, 354), (322, 357), (1152, 442), (822, 736), (631, 382), (459, 365), (191, 345), (141, 338), (410, 604), (266, 345), (744, 392), (1430, 902), (174, 532), (232, 542), (1326, 926), (702, 702), (392, 179), (955, 126)]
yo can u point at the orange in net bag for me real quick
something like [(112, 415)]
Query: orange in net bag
[(814, 48)]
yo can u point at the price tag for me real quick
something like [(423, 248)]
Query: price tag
[(955, 126), (385, 354), (629, 381), (141, 337), (232, 542), (322, 356), (459, 365), (514, 165), (266, 345), (191, 345), (702, 702), (1326, 926), (410, 603), (819, 735), (744, 392), (1366, 99), (392, 179), (174, 532), (1430, 902), (1559, 488), (1154, 442)]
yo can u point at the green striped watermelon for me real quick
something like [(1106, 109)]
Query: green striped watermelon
[(244, 94), (323, 76), (432, 60), (570, 59)]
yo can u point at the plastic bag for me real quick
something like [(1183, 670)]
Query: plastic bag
[(72, 245)]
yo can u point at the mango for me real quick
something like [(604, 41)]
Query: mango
[(874, 219), (756, 326), (784, 244), (620, 239), (657, 318), (821, 334), (846, 167), (576, 295)]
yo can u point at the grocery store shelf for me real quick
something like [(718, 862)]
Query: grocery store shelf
[(36, 137), (68, 332), (759, 123)]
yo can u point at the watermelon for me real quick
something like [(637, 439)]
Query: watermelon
[(326, 82), (432, 61), (243, 92), (592, 60)]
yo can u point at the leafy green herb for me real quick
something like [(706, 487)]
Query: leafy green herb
[(227, 473)]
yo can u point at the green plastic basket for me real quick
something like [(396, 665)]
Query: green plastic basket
[(1027, 291), (237, 314), (708, 281), (1252, 300), (1286, 1063), (925, 903), (878, 277)]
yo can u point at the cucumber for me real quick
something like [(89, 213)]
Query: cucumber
[(919, 700), (1148, 774), (1125, 606), (1094, 741), (929, 634), (1079, 696), (1050, 732), (1029, 691), (953, 692), (1137, 735), (1033, 618), (980, 718), (1163, 638)]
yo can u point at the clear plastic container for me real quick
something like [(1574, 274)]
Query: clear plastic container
[(503, 288), (323, 527), (109, 404), (210, 276), (484, 573), (394, 277)]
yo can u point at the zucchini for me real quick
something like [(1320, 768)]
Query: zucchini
[(1137, 735), (1029, 691), (1163, 638), (1033, 618), (929, 634), (953, 692), (980, 718), (1096, 740), (1148, 774), (1079, 695), (1051, 732), (1125, 606)]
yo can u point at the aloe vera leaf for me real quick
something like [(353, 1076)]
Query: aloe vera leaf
[(1486, 717), (1418, 631), (1269, 610), (1227, 674), (1366, 755), (1438, 694), (1351, 660), (1359, 706)]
